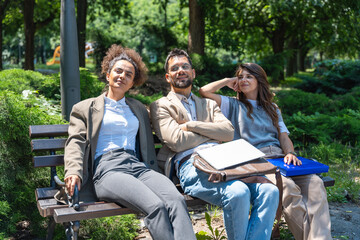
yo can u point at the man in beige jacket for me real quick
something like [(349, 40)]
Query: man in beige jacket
[(186, 123)]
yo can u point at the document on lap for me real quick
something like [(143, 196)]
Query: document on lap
[(308, 167), (230, 154)]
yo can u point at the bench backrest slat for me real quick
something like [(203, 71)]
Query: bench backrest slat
[(48, 144), (48, 161), (48, 130)]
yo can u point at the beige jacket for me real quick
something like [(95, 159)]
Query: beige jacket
[(85, 122), (168, 113)]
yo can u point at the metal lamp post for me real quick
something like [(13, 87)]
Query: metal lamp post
[(69, 58)]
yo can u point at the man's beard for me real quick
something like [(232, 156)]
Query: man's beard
[(181, 84)]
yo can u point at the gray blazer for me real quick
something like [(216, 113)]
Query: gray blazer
[(168, 113), (85, 122)]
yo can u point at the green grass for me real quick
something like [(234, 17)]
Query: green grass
[(344, 167)]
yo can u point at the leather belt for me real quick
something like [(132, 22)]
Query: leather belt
[(184, 159)]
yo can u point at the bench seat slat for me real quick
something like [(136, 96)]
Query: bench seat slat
[(48, 161), (46, 206), (328, 181), (48, 130), (90, 212), (98, 210), (48, 144), (45, 193), (191, 202)]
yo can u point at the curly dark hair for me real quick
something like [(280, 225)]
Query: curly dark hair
[(116, 53), (264, 97)]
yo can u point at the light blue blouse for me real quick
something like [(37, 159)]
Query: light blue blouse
[(118, 128), (260, 131)]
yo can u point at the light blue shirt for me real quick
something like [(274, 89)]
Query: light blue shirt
[(118, 129), (190, 107), (258, 131)]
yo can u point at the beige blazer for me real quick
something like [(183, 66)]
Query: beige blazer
[(168, 113), (84, 127)]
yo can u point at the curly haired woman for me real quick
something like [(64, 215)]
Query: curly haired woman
[(110, 146)]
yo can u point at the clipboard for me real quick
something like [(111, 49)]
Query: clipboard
[(308, 166)]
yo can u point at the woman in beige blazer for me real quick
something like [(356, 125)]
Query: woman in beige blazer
[(110, 151)]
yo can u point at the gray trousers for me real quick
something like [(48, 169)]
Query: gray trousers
[(120, 177)]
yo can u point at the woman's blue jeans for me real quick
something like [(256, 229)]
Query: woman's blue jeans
[(235, 198)]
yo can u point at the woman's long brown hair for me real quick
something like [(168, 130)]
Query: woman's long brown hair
[(264, 97)]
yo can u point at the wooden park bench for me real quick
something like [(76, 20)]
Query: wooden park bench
[(48, 143)]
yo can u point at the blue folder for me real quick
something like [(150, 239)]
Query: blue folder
[(308, 167)]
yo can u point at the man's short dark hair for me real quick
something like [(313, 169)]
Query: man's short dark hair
[(173, 53)]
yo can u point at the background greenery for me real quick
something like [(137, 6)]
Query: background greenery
[(324, 125), (309, 49)]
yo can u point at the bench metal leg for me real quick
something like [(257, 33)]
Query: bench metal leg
[(50, 229), (72, 230)]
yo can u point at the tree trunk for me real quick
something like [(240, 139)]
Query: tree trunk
[(1, 42), (29, 34), (277, 41), (302, 57), (3, 6), (81, 29), (196, 41), (291, 64)]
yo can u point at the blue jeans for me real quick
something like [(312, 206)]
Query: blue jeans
[(235, 198)]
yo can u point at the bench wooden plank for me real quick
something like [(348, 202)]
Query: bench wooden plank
[(191, 202), (48, 144), (100, 209), (328, 181), (45, 193), (46, 206), (48, 130), (48, 161), (90, 212)]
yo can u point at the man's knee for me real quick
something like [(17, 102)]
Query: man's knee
[(269, 191), (238, 192)]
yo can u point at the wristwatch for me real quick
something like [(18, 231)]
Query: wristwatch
[(293, 153)]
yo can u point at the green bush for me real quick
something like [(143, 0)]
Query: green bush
[(90, 86), (350, 100), (18, 178), (324, 128), (332, 77), (293, 101), (18, 80), (118, 227)]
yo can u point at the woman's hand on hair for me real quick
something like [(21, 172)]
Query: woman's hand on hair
[(291, 158), (233, 83)]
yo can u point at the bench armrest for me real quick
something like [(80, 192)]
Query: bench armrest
[(74, 200), (58, 181)]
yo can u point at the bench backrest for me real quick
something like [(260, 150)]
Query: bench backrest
[(52, 138), (48, 139)]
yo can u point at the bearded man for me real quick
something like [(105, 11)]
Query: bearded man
[(185, 124)]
